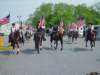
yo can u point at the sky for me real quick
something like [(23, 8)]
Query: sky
[(24, 8)]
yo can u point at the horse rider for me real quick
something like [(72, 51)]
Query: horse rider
[(21, 28), (89, 30), (41, 27), (70, 28), (61, 28), (84, 30), (13, 29)]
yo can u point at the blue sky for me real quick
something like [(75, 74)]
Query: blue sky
[(25, 7)]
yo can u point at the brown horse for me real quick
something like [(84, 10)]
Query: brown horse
[(28, 35), (72, 35), (75, 35), (38, 38), (91, 37), (57, 36), (21, 40), (14, 39)]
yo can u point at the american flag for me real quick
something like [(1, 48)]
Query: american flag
[(80, 22), (61, 23), (5, 20), (42, 22)]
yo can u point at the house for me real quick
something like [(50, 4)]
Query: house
[(6, 29)]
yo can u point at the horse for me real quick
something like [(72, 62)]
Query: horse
[(14, 39), (72, 35), (21, 39), (91, 36), (28, 35), (38, 38), (75, 35), (57, 36)]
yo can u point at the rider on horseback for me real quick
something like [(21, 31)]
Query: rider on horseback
[(61, 27), (13, 29), (89, 30), (21, 28), (55, 29), (41, 27)]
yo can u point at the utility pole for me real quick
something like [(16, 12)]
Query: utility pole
[(19, 18)]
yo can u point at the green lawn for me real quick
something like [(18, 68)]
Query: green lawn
[(5, 48)]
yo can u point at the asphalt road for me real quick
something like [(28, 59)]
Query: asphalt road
[(75, 59)]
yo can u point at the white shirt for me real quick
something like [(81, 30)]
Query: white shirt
[(43, 26), (13, 29)]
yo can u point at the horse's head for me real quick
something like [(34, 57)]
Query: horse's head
[(16, 34)]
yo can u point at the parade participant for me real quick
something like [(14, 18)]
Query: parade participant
[(55, 29), (13, 28), (74, 27), (41, 27), (61, 27), (21, 27)]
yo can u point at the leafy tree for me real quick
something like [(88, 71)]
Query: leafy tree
[(54, 13)]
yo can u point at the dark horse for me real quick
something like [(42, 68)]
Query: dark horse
[(28, 35), (72, 35), (56, 36), (38, 37), (91, 36), (21, 39), (14, 39)]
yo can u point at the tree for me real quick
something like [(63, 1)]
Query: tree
[(54, 13)]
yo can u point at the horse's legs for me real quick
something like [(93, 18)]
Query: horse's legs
[(41, 45), (38, 51), (72, 38), (91, 44), (37, 47), (86, 43), (61, 41), (51, 41), (94, 43), (13, 45), (69, 38), (56, 44), (18, 50)]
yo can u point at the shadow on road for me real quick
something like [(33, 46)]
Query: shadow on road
[(6, 53), (98, 60), (29, 51), (69, 42), (79, 49), (48, 48)]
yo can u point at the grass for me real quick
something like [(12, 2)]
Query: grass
[(3, 48)]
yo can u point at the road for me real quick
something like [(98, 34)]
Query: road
[(75, 59)]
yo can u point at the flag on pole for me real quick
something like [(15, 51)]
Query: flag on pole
[(5, 20), (61, 24), (42, 22), (61, 27), (80, 22)]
